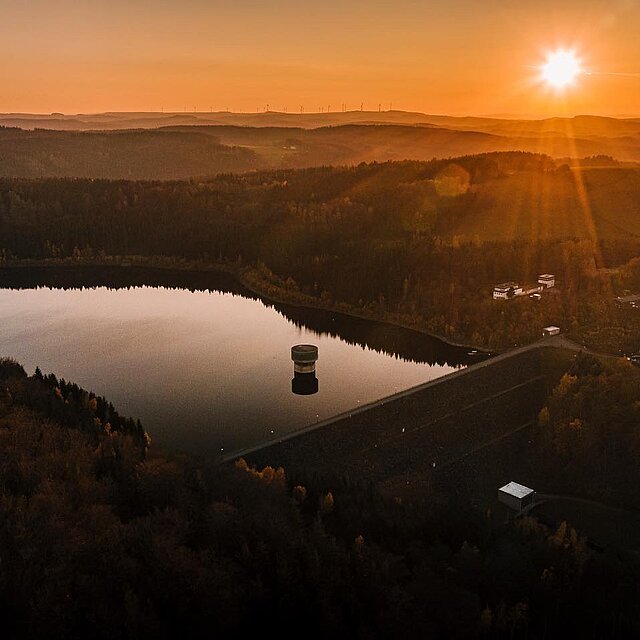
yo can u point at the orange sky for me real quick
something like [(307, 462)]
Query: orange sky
[(438, 56)]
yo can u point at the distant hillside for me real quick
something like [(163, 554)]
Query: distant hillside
[(596, 204), (151, 155), (181, 152), (151, 120), (583, 125), (509, 196), (353, 143)]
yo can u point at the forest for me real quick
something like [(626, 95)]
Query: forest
[(185, 146), (423, 242), (124, 154), (587, 438), (102, 536)]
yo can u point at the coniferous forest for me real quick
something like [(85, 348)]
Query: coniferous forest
[(104, 536), (320, 320), (424, 243)]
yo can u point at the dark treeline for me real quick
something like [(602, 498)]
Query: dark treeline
[(89, 276), (383, 239), (98, 541), (69, 405)]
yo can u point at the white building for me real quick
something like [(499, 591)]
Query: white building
[(551, 331), (547, 279), (516, 496), (506, 290)]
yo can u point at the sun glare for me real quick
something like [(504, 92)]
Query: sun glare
[(561, 68)]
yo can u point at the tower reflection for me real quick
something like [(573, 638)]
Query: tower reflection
[(304, 384)]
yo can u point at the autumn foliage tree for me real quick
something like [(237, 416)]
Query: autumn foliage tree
[(589, 431)]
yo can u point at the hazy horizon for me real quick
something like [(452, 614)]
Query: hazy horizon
[(493, 116), (458, 58)]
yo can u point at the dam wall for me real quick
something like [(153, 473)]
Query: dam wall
[(411, 434)]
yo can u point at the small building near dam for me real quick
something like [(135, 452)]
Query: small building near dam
[(547, 280), (550, 331), (513, 289), (506, 290), (516, 496)]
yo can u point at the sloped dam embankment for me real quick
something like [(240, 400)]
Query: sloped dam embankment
[(414, 441)]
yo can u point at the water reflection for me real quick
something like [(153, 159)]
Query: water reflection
[(304, 384), (206, 366), (399, 342)]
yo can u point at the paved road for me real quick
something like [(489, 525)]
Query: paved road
[(541, 498), (605, 525)]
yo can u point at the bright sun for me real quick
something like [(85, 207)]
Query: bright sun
[(561, 68)]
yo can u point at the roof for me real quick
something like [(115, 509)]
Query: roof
[(546, 275), (517, 490), (626, 299), (506, 285), (551, 328), (304, 353)]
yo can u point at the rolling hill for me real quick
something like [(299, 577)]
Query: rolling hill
[(184, 151)]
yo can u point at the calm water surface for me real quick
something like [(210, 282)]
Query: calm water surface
[(210, 370)]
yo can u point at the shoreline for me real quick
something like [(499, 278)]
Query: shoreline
[(270, 292)]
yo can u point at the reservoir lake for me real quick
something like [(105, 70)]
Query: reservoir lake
[(203, 363)]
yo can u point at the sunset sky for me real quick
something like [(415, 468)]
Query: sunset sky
[(458, 57)]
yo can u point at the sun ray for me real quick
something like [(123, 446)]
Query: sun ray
[(583, 200)]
